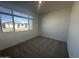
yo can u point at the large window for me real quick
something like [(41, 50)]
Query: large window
[(11, 20)]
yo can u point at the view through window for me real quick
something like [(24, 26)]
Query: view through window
[(7, 23), (11, 20), (20, 24)]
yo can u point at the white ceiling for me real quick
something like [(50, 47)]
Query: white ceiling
[(47, 6)]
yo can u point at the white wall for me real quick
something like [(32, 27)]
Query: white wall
[(73, 37), (12, 38), (55, 24)]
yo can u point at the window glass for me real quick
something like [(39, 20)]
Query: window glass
[(5, 10), (18, 21), (20, 14), (21, 24), (30, 17), (7, 23), (0, 23)]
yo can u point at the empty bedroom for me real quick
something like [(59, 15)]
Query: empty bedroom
[(39, 29)]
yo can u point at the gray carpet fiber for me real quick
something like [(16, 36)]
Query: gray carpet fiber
[(39, 47)]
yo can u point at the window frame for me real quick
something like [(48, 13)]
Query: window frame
[(14, 20), (29, 23)]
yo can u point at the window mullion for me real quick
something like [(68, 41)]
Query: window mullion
[(13, 21)]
